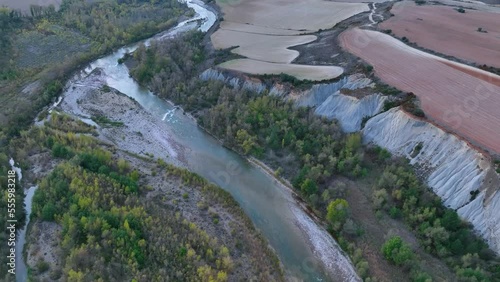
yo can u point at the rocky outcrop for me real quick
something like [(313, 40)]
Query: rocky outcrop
[(452, 168), (350, 111)]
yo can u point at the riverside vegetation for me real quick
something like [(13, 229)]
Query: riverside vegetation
[(315, 155), (116, 224), (41, 49), (46, 46)]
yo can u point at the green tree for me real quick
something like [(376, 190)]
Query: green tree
[(48, 211), (246, 141), (337, 212), (397, 251), (308, 187)]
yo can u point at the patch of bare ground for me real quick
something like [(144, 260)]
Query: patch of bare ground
[(378, 228), (325, 50), (44, 250), (140, 133), (42, 164)]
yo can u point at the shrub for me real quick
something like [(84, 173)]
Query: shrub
[(418, 112), (417, 149), (364, 120), (48, 212), (461, 10), (473, 194), (105, 88), (419, 276), (337, 213), (396, 251), (308, 187), (386, 89), (395, 212), (55, 274), (42, 266)]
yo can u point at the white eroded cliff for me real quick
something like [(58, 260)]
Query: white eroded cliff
[(245, 84), (452, 168), (348, 110)]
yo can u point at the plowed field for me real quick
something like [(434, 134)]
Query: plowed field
[(460, 98), (443, 29), (298, 71)]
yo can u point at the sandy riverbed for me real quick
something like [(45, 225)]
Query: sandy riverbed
[(140, 134)]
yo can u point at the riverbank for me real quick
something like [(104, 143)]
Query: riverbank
[(206, 207), (335, 261), (147, 136), (140, 134)]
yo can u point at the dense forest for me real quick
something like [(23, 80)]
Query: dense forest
[(113, 231), (313, 153), (104, 25)]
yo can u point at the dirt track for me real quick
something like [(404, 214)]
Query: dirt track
[(443, 29), (450, 96)]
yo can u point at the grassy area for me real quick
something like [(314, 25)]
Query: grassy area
[(48, 45), (104, 121)]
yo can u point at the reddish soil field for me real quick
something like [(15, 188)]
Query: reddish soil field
[(444, 30), (452, 95)]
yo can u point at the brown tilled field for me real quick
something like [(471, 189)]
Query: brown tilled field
[(316, 73), (444, 30), (261, 47), (453, 95), (264, 29), (299, 15), (250, 28)]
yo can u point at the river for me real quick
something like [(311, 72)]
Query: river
[(21, 270), (303, 247)]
